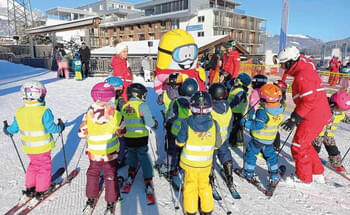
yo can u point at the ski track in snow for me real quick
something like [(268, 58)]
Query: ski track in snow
[(69, 99)]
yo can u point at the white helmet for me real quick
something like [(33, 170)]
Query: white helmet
[(289, 53), (33, 90)]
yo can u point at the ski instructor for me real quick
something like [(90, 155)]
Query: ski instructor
[(311, 113)]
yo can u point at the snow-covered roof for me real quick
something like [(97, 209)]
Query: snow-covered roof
[(141, 47)]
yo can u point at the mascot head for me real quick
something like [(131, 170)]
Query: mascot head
[(177, 50)]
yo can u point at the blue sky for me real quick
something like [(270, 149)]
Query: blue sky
[(323, 19)]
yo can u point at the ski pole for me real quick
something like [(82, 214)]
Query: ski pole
[(64, 154), (177, 203), (14, 144), (285, 142), (345, 154)]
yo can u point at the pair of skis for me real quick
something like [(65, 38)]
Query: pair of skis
[(170, 178), (329, 166), (149, 195), (53, 188), (231, 187), (271, 187)]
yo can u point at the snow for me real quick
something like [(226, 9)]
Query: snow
[(295, 43), (301, 36), (69, 99)]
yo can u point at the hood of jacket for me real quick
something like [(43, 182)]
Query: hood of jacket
[(200, 123), (220, 106)]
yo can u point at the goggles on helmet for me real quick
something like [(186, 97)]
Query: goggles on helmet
[(182, 53)]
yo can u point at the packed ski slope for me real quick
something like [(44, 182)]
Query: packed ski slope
[(68, 99)]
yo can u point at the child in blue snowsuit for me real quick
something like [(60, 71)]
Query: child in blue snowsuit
[(263, 130), (76, 64)]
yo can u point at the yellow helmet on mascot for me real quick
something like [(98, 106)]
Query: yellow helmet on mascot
[(177, 50)]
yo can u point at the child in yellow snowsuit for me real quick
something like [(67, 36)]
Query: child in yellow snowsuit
[(199, 135)]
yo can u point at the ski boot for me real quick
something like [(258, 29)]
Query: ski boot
[(204, 213), (27, 194), (131, 175), (90, 204), (190, 213), (335, 162), (228, 173), (149, 192), (110, 208), (37, 198), (250, 176)]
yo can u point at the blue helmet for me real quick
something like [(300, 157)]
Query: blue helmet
[(244, 78), (77, 54), (115, 81)]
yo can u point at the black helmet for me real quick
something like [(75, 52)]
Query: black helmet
[(201, 103), (217, 91), (258, 81), (188, 87), (136, 90), (174, 79)]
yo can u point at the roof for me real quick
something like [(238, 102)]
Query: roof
[(55, 10), (77, 23), (137, 48), (152, 18)]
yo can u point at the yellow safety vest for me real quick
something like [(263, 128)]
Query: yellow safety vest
[(166, 100), (329, 130), (268, 133), (239, 108), (224, 122), (199, 148), (35, 138), (135, 125), (183, 113), (102, 138)]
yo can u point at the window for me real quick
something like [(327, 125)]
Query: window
[(200, 19), (121, 6), (200, 34)]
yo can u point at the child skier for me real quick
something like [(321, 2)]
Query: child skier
[(137, 116), (99, 126), (119, 102), (76, 64), (178, 111), (238, 101), (35, 123), (199, 135), (254, 99), (222, 114), (263, 130), (339, 102)]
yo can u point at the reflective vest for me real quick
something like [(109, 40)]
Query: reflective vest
[(166, 100), (35, 138), (224, 121), (183, 113), (102, 138), (135, 126), (268, 133), (239, 108), (199, 148), (328, 130)]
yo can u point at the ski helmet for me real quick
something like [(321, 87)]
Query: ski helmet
[(342, 100), (33, 90), (201, 103), (281, 84), (270, 93), (258, 81), (136, 90), (116, 82), (230, 43), (189, 87), (174, 79), (102, 92), (217, 91), (243, 78), (289, 56)]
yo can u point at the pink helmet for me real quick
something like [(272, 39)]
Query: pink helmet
[(102, 92), (342, 99)]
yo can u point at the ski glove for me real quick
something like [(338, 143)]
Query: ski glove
[(5, 129), (61, 124), (290, 123), (155, 126)]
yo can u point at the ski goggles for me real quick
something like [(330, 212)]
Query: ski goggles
[(182, 53)]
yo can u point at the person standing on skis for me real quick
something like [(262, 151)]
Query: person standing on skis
[(35, 123), (100, 125), (310, 115), (199, 135)]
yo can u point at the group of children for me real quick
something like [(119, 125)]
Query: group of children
[(199, 126)]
